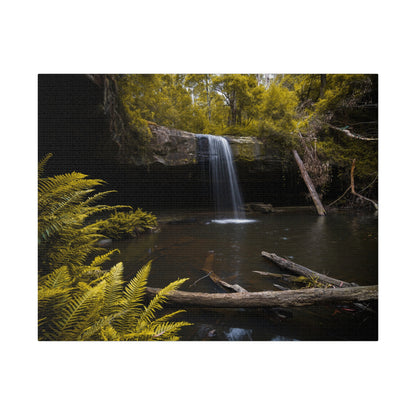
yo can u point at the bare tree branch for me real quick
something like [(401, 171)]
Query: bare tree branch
[(355, 136)]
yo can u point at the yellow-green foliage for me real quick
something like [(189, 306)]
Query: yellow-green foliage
[(121, 225), (79, 300), (311, 281), (104, 309), (65, 205)]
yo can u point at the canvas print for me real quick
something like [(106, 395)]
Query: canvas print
[(208, 207)]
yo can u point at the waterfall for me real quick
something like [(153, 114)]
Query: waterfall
[(224, 182)]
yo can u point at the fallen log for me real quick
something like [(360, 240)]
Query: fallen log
[(308, 182), (304, 271), (268, 299)]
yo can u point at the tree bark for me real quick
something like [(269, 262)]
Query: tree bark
[(312, 191), (304, 271), (288, 298)]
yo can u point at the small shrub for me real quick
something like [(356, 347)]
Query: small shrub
[(122, 225)]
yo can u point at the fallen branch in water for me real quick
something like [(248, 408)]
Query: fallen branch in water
[(208, 266), (304, 271), (287, 298), (280, 287), (203, 277), (283, 276)]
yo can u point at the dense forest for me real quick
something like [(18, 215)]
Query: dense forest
[(330, 119)]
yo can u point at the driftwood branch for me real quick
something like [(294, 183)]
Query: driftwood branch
[(355, 193), (287, 298), (208, 266), (280, 275), (333, 202), (280, 287), (312, 191), (353, 188), (303, 271), (354, 136), (273, 313)]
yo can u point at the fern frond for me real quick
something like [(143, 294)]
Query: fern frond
[(113, 291), (167, 317), (166, 331), (136, 288), (42, 164), (160, 298), (99, 260), (96, 197), (73, 180), (132, 302), (101, 327), (57, 279), (80, 312), (58, 295)]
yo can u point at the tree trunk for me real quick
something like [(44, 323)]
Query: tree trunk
[(323, 86), (304, 271), (287, 298), (318, 204)]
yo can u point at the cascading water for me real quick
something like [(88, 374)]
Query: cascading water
[(224, 182)]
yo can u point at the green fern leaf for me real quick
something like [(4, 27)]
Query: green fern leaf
[(113, 291), (132, 302), (79, 312), (99, 260), (160, 298)]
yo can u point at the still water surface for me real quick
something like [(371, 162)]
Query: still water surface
[(341, 245)]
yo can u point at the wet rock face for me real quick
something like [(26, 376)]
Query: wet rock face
[(247, 149), (172, 147)]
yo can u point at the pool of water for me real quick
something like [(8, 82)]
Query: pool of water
[(341, 245)]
